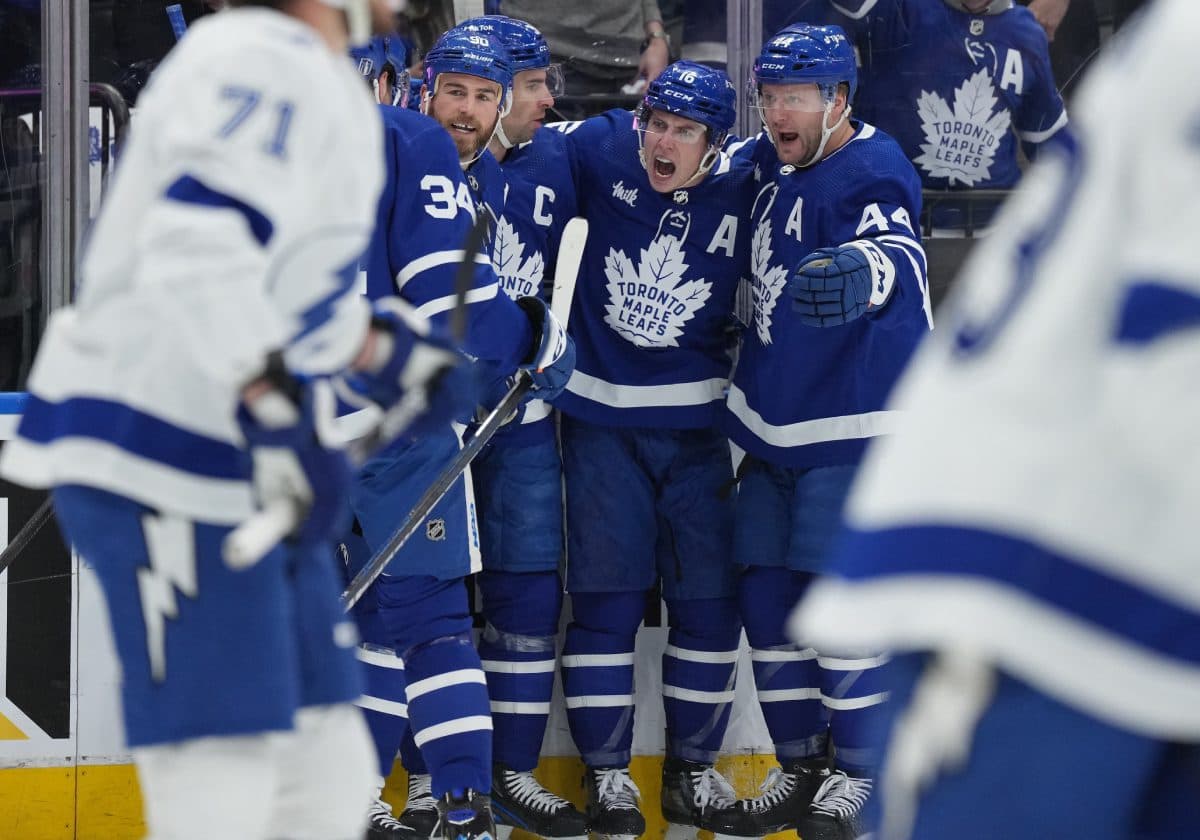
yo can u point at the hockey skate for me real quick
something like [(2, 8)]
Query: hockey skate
[(785, 798), (691, 792), (612, 810), (519, 801), (836, 809), (381, 825), (420, 814), (465, 815)]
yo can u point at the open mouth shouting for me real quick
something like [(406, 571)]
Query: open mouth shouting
[(664, 169)]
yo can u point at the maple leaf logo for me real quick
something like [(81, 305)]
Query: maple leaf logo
[(961, 144), (650, 304), (519, 276), (768, 280)]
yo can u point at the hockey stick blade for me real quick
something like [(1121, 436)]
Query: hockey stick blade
[(25, 536), (566, 268), (441, 485)]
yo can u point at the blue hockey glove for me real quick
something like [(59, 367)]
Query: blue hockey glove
[(417, 374), (832, 286), (281, 425), (553, 358)]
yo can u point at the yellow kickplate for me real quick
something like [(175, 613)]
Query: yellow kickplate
[(10, 732), (98, 802)]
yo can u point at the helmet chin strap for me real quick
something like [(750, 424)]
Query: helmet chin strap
[(501, 136), (826, 133), (497, 130), (706, 162)]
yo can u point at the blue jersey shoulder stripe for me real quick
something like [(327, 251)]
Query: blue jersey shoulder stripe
[(1059, 581), (134, 431), (189, 190), (1153, 310)]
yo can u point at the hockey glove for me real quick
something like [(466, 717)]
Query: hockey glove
[(291, 462), (832, 286), (553, 357), (416, 374)]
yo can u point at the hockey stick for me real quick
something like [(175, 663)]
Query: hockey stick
[(570, 254), (25, 536), (249, 542)]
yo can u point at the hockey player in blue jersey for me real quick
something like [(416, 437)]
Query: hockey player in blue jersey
[(1027, 541), (958, 84), (646, 472), (518, 478), (183, 389), (425, 674), (840, 302)]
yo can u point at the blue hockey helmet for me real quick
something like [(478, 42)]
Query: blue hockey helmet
[(802, 53), (527, 49), (695, 92), (379, 54), (474, 53)]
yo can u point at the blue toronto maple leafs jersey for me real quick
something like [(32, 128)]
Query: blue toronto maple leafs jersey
[(955, 90), (813, 396), (539, 200), (656, 288), (425, 213)]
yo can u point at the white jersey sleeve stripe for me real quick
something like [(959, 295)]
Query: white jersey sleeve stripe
[(433, 260), (645, 396), (445, 304), (821, 430)]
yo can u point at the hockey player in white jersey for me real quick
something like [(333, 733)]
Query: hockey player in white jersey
[(427, 691), (518, 477), (184, 388), (839, 304), (1028, 536), (647, 473)]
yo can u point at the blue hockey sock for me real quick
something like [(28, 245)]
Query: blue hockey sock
[(699, 667), (597, 667), (787, 676), (384, 704), (448, 712), (517, 648), (853, 691)]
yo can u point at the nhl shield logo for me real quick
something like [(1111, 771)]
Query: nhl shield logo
[(435, 529), (681, 197), (977, 27)]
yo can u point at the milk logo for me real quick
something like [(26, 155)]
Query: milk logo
[(650, 304), (519, 275), (627, 194), (768, 280), (960, 143)]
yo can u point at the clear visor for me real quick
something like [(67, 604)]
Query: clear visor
[(540, 83), (688, 133), (808, 98)]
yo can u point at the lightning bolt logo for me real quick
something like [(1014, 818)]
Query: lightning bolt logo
[(172, 551)]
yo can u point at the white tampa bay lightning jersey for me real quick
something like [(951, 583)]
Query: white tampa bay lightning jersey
[(656, 288), (539, 201), (1038, 508), (235, 225), (956, 90), (807, 396)]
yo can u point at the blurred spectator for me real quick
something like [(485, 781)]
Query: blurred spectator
[(957, 89), (1073, 28), (706, 24), (603, 44)]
